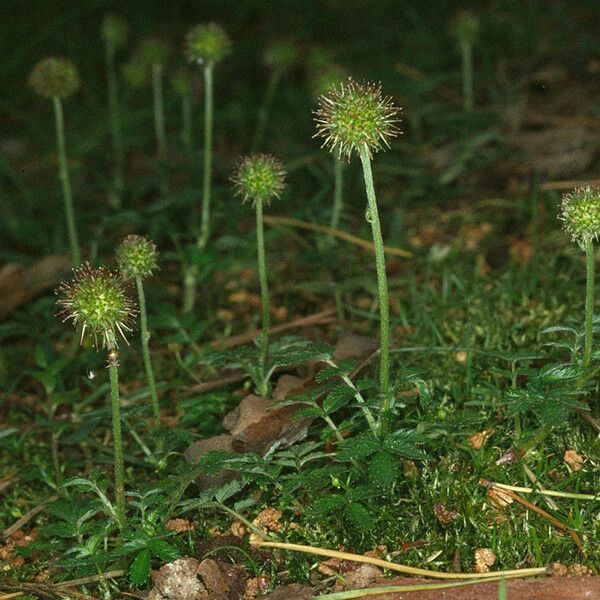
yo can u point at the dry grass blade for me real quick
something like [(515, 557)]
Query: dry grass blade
[(384, 564)]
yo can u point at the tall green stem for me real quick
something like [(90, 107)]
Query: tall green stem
[(145, 334), (186, 133), (263, 113), (113, 367), (467, 67), (384, 311), (207, 157), (264, 293), (589, 301), (65, 181), (338, 193), (115, 123), (159, 126)]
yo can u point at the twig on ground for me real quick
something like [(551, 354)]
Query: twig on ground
[(347, 237), (27, 517)]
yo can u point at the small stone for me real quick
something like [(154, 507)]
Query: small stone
[(484, 559), (573, 460)]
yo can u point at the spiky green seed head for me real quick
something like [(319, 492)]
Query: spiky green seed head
[(54, 78), (98, 305), (327, 79), (183, 82), (136, 73), (153, 51), (137, 257), (259, 178), (465, 27), (207, 43), (281, 56), (114, 31), (580, 214), (355, 116)]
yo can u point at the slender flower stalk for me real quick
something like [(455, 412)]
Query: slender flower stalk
[(465, 29), (206, 45), (357, 118), (182, 84), (260, 178), (137, 259), (580, 214), (97, 304), (147, 66), (57, 79), (280, 57), (114, 32)]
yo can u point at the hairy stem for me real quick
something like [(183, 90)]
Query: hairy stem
[(589, 301), (467, 69), (207, 155), (338, 194), (113, 367), (65, 181), (145, 334), (159, 127), (384, 310), (264, 294), (186, 133), (115, 123), (263, 113)]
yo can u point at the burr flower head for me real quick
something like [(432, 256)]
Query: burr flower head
[(329, 78), (135, 73), (137, 257), (355, 116), (114, 31), (281, 55), (182, 82), (153, 51), (465, 27), (54, 78), (97, 303), (580, 213), (207, 43), (259, 178)]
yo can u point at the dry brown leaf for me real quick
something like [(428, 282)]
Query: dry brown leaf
[(484, 559), (443, 515), (573, 460), (479, 439), (499, 498)]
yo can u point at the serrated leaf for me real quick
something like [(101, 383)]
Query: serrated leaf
[(326, 506), (559, 372), (383, 469), (140, 568), (336, 399), (359, 516), (358, 447), (228, 490), (307, 412), (403, 442), (163, 549)]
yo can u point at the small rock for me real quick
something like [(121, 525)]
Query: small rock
[(484, 559), (573, 460)]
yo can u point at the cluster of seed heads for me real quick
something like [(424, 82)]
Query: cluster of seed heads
[(207, 43), (137, 257), (259, 178), (54, 78), (356, 116), (580, 213), (97, 303)]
